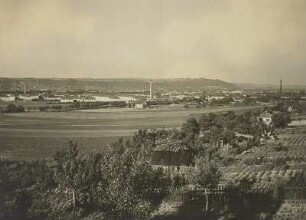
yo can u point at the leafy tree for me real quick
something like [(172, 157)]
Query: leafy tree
[(228, 136), (44, 183), (95, 185), (144, 138), (135, 188), (70, 175), (204, 174), (280, 120), (207, 150), (207, 121), (190, 130), (191, 126), (18, 181)]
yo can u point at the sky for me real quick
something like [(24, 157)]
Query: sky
[(253, 41)]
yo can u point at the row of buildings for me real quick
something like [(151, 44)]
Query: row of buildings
[(65, 98)]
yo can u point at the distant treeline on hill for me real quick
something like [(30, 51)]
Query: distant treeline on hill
[(111, 85)]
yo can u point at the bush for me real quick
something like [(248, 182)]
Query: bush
[(11, 108)]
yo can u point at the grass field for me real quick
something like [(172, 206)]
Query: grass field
[(32, 135)]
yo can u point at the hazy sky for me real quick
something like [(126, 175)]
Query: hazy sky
[(257, 41)]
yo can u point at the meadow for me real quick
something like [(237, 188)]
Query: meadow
[(32, 135)]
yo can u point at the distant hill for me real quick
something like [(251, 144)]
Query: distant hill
[(112, 85), (254, 86), (194, 84)]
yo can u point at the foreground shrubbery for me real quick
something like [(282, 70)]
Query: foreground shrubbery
[(115, 185)]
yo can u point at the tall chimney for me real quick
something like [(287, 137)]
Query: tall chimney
[(151, 92), (281, 87), (25, 88)]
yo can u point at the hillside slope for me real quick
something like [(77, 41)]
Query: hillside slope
[(112, 85)]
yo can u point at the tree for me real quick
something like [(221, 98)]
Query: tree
[(280, 120), (144, 138), (190, 130), (207, 121), (207, 150), (228, 136), (15, 180), (39, 191), (191, 126), (95, 185), (214, 135), (70, 175), (135, 189), (204, 174)]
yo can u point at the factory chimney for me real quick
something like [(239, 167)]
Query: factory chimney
[(25, 88), (281, 87), (151, 92)]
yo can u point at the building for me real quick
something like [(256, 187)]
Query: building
[(171, 162), (172, 156), (52, 98), (141, 105), (26, 97), (210, 98), (7, 98)]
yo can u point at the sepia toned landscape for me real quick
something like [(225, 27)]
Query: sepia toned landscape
[(209, 149), (157, 110)]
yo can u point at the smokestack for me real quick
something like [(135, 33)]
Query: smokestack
[(151, 92), (25, 88), (281, 87)]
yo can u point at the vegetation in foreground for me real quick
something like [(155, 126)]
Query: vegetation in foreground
[(117, 184), (122, 183)]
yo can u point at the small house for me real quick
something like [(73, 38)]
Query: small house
[(171, 162), (7, 98), (141, 105), (171, 155)]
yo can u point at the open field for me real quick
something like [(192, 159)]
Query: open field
[(34, 135)]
